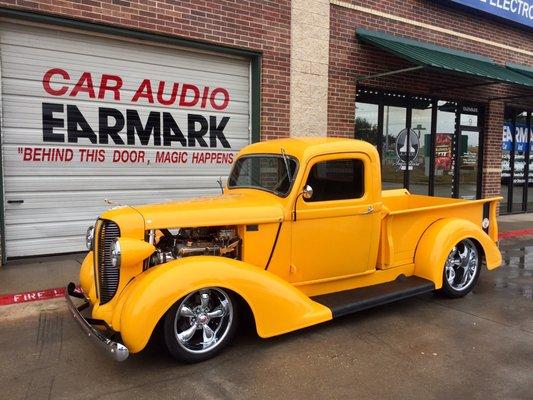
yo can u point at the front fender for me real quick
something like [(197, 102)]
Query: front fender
[(439, 239), (278, 307)]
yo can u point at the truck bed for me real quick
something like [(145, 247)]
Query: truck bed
[(407, 216)]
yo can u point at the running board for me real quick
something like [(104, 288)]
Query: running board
[(350, 301)]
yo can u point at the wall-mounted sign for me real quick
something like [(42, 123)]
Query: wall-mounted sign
[(519, 11)]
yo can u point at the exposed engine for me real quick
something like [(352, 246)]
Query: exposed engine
[(185, 242)]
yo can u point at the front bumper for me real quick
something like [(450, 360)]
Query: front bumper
[(116, 350)]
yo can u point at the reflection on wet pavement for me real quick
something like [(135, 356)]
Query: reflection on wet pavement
[(517, 268)]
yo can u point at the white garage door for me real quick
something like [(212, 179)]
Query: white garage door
[(87, 118)]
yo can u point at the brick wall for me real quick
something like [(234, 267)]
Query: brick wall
[(259, 25), (491, 182), (350, 58)]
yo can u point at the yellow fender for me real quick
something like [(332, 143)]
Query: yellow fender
[(277, 306), (439, 239)]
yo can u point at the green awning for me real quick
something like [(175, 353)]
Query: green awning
[(523, 69), (426, 55)]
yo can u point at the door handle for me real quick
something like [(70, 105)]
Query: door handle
[(369, 210), (15, 201)]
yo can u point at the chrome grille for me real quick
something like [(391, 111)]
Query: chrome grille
[(108, 275)]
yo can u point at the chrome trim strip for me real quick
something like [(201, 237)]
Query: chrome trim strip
[(115, 350)]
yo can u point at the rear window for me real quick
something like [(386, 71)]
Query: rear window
[(336, 180)]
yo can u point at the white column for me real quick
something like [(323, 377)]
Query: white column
[(309, 67)]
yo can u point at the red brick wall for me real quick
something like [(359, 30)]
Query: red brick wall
[(350, 58), (259, 25), (492, 155)]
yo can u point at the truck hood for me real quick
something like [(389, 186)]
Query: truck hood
[(246, 207)]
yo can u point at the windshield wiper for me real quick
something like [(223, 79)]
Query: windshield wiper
[(286, 161)]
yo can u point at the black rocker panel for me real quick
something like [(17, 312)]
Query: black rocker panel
[(350, 301)]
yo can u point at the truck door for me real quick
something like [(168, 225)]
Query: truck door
[(333, 229)]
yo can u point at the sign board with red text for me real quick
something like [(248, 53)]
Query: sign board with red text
[(91, 117)]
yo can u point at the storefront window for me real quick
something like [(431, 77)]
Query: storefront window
[(394, 119), (507, 146), (517, 164), (366, 122), (426, 145), (520, 148), (445, 149)]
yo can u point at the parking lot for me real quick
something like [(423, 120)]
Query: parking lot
[(478, 347)]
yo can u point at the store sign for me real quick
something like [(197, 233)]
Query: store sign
[(520, 137), (180, 116), (407, 150), (519, 11)]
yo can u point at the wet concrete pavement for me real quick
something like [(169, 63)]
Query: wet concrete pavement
[(478, 347)]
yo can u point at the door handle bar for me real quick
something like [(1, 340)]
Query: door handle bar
[(369, 210)]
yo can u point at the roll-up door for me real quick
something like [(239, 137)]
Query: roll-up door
[(88, 117)]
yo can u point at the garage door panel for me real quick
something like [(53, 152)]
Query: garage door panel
[(109, 49), (105, 184), (51, 200), (27, 112), (31, 212), (66, 244), (155, 162), (63, 194), (89, 62), (21, 74), (50, 230)]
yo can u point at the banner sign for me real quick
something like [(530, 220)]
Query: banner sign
[(443, 152), (520, 138), (519, 11)]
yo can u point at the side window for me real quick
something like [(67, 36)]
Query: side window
[(337, 180)]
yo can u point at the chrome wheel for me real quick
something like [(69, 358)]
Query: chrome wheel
[(203, 319), (462, 266)]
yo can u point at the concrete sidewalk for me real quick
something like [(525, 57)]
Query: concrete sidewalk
[(56, 271)]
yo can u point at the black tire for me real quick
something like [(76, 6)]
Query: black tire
[(453, 286), (181, 317)]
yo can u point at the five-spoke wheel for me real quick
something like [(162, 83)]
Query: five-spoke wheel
[(199, 325), (461, 269)]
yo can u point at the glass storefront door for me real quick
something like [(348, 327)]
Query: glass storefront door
[(429, 146), (419, 166), (517, 168)]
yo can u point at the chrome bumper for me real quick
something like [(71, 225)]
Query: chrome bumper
[(117, 351)]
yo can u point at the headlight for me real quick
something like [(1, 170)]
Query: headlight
[(89, 237), (115, 254)]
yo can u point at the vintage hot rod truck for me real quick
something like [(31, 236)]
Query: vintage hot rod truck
[(302, 233)]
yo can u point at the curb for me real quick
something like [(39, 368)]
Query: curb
[(519, 232), (49, 294), (36, 295)]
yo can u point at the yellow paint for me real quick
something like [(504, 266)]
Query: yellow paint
[(329, 247), (326, 236), (438, 241), (278, 307)]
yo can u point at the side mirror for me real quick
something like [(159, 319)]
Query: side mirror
[(307, 192)]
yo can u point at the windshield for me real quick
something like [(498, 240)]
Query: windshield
[(263, 171)]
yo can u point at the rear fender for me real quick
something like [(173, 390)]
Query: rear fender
[(277, 306), (439, 239)]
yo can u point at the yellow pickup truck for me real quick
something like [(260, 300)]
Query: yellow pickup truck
[(303, 233)]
